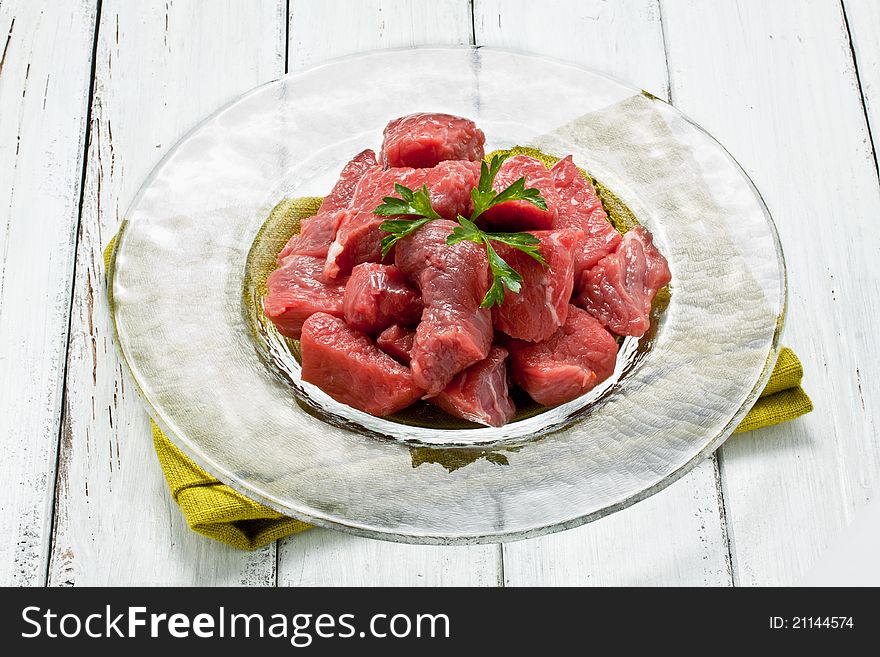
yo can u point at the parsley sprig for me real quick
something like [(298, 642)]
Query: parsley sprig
[(411, 203), (418, 204), (485, 197)]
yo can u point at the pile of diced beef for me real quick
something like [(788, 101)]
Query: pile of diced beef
[(379, 334)]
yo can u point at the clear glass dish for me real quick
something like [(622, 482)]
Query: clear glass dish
[(179, 264)]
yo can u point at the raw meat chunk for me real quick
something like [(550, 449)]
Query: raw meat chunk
[(580, 208), (541, 306), (479, 394), (343, 191), (425, 140), (397, 342), (579, 356), (620, 288), (346, 365), (377, 296), (522, 215), (316, 233), (298, 289), (454, 332), (359, 238)]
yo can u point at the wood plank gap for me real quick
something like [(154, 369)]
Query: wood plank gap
[(717, 464), (82, 187), (855, 63), (665, 53), (286, 42), (501, 579), (501, 582), (12, 27), (716, 456), (275, 550)]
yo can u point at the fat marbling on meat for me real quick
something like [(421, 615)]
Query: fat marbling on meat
[(454, 332), (575, 359), (298, 289), (359, 238), (619, 289), (580, 208), (541, 306), (377, 296), (480, 393), (317, 232)]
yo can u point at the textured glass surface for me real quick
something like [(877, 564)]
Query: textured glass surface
[(177, 291)]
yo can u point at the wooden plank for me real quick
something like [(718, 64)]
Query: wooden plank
[(326, 558), (45, 70), (623, 39), (678, 536), (160, 68), (674, 538), (325, 29), (863, 22), (780, 92)]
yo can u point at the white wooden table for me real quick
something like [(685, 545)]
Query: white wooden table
[(93, 93)]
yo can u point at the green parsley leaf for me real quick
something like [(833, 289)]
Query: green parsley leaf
[(503, 275), (525, 242), (483, 194), (397, 230), (518, 192), (411, 203), (466, 230), (418, 204)]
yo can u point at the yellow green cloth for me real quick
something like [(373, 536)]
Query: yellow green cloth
[(215, 510)]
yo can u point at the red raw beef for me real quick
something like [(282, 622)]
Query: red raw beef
[(346, 365), (580, 208), (454, 332), (397, 342), (579, 356), (425, 140), (298, 289), (620, 288), (379, 336), (522, 215), (316, 233), (541, 306), (377, 296), (359, 238), (479, 394)]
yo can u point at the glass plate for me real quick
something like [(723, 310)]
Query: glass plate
[(178, 271)]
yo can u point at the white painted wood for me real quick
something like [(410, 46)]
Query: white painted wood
[(44, 85), (623, 39), (774, 82), (326, 558), (674, 538), (678, 536), (863, 17), (160, 68), (325, 29)]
